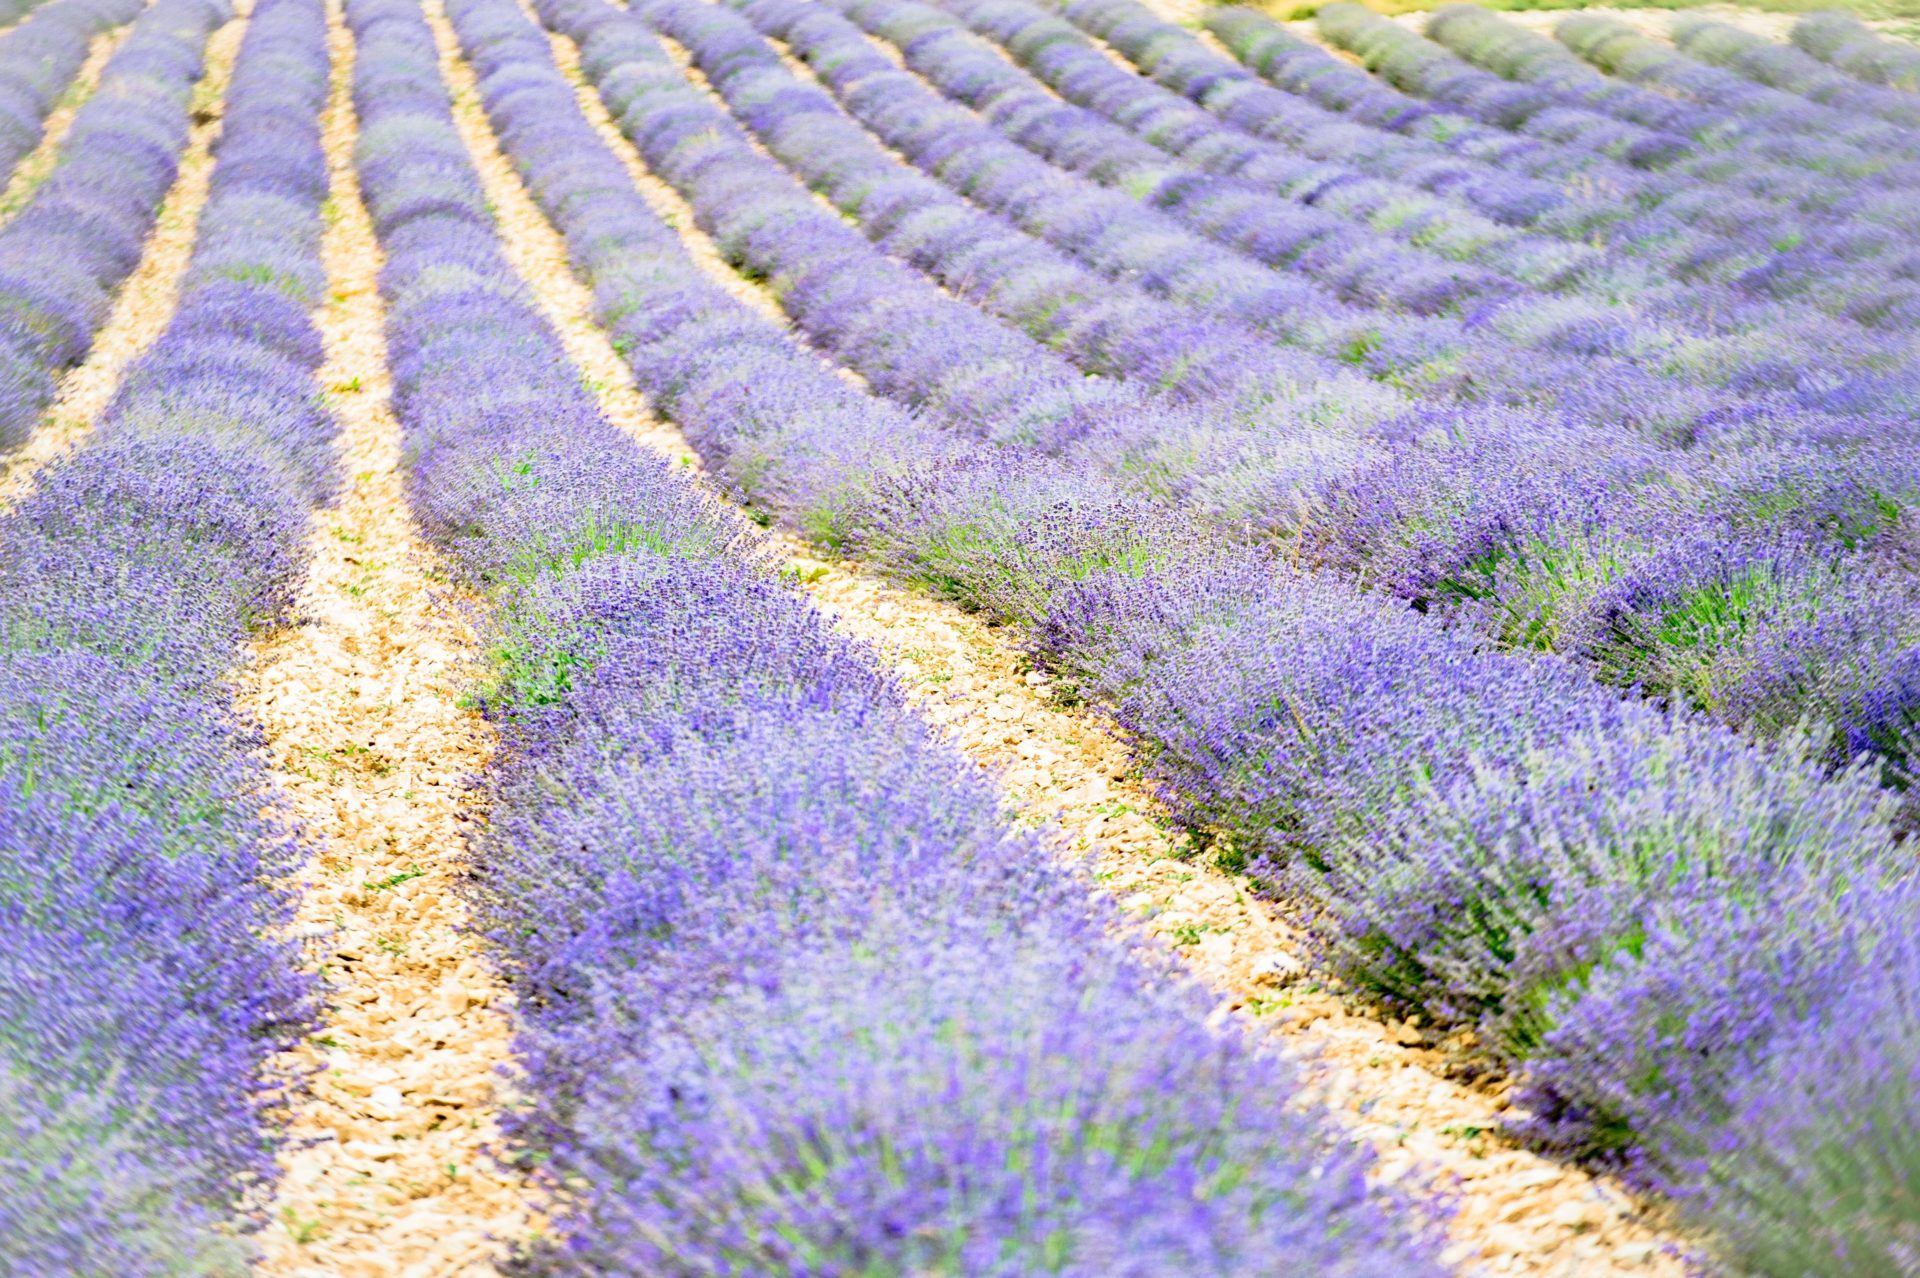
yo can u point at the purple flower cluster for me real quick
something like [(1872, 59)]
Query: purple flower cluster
[(1792, 70), (1842, 41), (796, 999), (1489, 41), (1665, 252), (1487, 839), (1547, 528), (1621, 51), (1334, 317), (1424, 70), (1857, 269), (1712, 334), (146, 984), (66, 251), (1490, 840), (39, 59)]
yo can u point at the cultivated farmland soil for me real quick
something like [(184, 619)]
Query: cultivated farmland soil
[(392, 1169)]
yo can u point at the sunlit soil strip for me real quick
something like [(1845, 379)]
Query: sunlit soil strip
[(1520, 1213), (390, 1170), (36, 164), (146, 300)]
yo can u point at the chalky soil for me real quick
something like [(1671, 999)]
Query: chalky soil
[(391, 1169)]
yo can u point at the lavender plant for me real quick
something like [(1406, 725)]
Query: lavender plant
[(1791, 69), (39, 59), (1289, 714), (1695, 332), (747, 895), (1842, 41), (1112, 600), (146, 985), (68, 248)]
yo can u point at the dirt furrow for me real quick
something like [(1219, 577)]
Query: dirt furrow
[(392, 1172), (145, 303), (1519, 1213)]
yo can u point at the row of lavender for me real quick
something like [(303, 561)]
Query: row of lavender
[(1860, 165), (1758, 194), (1563, 536), (1327, 297), (1644, 297), (795, 999), (1847, 45), (39, 60), (1707, 235), (1756, 574), (63, 255), (1504, 341), (1280, 706), (147, 981)]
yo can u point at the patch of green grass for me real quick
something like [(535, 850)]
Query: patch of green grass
[(395, 880)]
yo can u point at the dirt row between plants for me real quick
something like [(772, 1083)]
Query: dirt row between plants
[(392, 1168), (145, 304), (1520, 1214)]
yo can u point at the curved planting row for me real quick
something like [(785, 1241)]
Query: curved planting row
[(1674, 228), (936, 354), (1127, 241), (147, 983), (1760, 577), (1863, 271), (1407, 62), (1434, 73), (1621, 51), (795, 999), (1696, 332), (1843, 41), (40, 58), (1666, 257), (1808, 173), (1364, 753), (1489, 41), (64, 254), (1791, 69), (1468, 359), (1105, 325)]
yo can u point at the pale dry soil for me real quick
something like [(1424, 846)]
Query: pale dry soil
[(1060, 769), (146, 301), (392, 1168)]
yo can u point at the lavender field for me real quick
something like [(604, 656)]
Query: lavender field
[(910, 638)]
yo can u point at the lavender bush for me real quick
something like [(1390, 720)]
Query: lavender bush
[(1791, 69), (1292, 715), (146, 987), (39, 59), (748, 898), (1547, 568), (1841, 40), (65, 252)]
